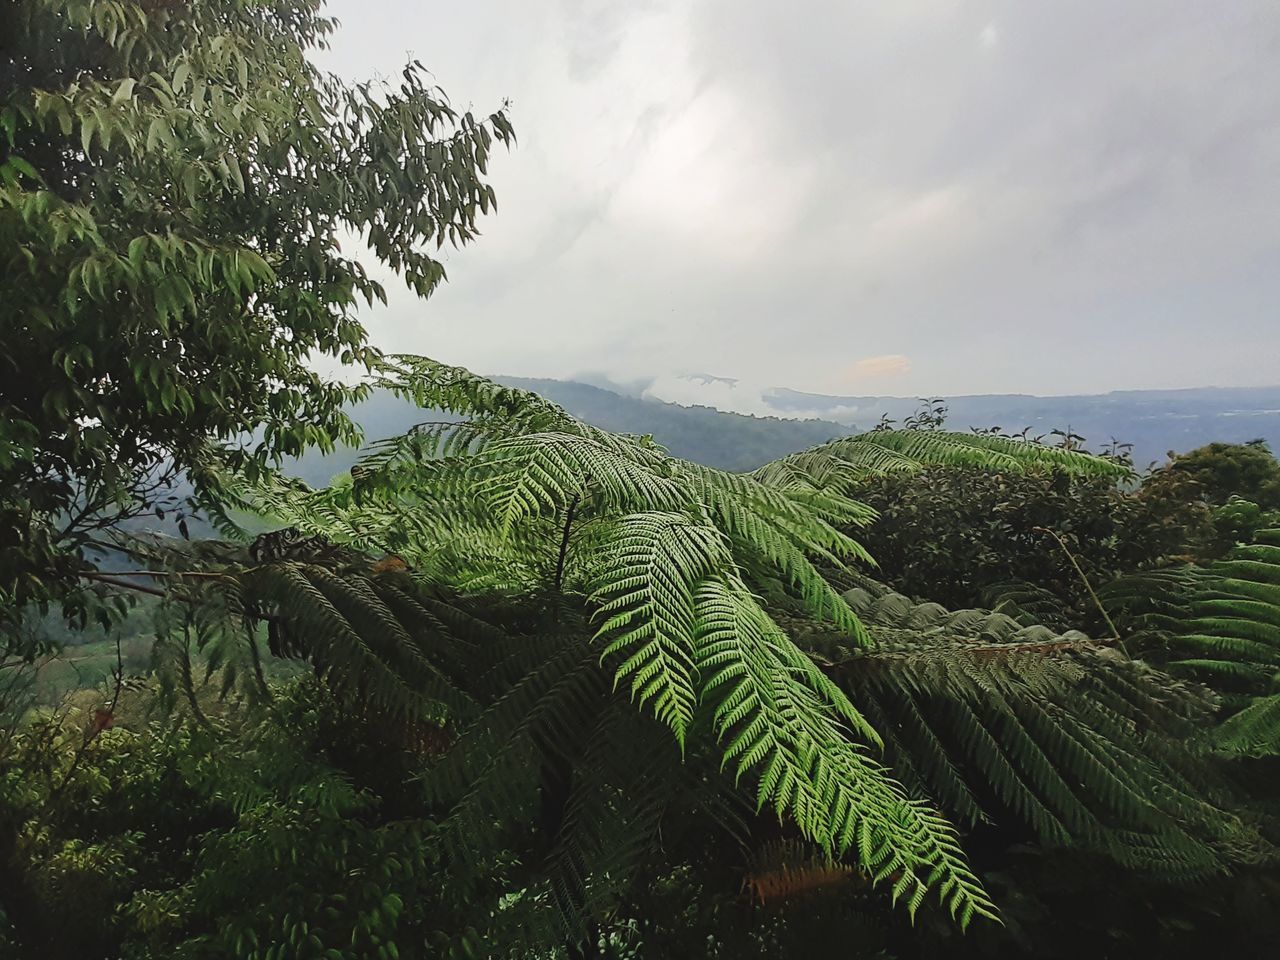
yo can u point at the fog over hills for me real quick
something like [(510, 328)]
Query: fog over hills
[(1154, 421)]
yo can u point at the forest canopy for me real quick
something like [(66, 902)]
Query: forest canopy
[(175, 180), (515, 685)]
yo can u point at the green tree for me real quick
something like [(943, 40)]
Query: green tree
[(175, 183), (968, 538), (1240, 482), (1222, 471), (590, 683)]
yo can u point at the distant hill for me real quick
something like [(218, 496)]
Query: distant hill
[(1154, 421), (731, 441)]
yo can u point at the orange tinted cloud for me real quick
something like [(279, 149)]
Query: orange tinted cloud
[(889, 365)]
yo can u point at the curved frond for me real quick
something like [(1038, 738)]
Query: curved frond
[(1254, 731), (644, 587), (1065, 735), (539, 474), (1224, 629), (840, 465), (774, 724)]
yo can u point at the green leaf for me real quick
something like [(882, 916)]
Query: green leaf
[(124, 91), (23, 167), (88, 124)]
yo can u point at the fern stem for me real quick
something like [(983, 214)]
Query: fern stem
[(564, 543), (256, 654), (188, 687)]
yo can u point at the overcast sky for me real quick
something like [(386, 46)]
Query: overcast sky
[(895, 197)]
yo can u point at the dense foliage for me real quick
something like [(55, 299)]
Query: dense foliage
[(1035, 544), (174, 183), (1223, 471), (537, 689), (517, 686), (965, 538)]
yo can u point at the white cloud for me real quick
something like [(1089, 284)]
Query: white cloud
[(723, 394), (770, 190), (742, 397)]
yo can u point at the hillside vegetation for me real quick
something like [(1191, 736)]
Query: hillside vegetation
[(493, 678)]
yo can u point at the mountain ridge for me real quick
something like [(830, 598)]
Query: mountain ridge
[(1153, 421)]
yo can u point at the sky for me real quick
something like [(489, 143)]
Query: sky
[(891, 197)]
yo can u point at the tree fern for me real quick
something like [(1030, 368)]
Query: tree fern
[(655, 550), (612, 578), (1024, 728), (840, 465), (1221, 625)]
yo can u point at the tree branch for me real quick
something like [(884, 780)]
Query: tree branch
[(116, 582)]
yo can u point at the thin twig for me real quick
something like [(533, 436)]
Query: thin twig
[(125, 584), (188, 687), (158, 592), (1087, 585)]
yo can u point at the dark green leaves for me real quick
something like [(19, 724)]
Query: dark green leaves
[(506, 492), (175, 179)]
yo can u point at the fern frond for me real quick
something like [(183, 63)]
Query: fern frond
[(785, 546), (774, 727), (437, 386), (1254, 731), (354, 639), (1224, 622), (840, 465), (645, 587), (611, 817), (1224, 629), (485, 409), (1028, 603), (490, 773), (1014, 724), (539, 474)]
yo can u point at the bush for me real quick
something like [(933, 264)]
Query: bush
[(960, 536)]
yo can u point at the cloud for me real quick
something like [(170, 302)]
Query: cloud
[(720, 392), (767, 190), (740, 396), (889, 365)]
